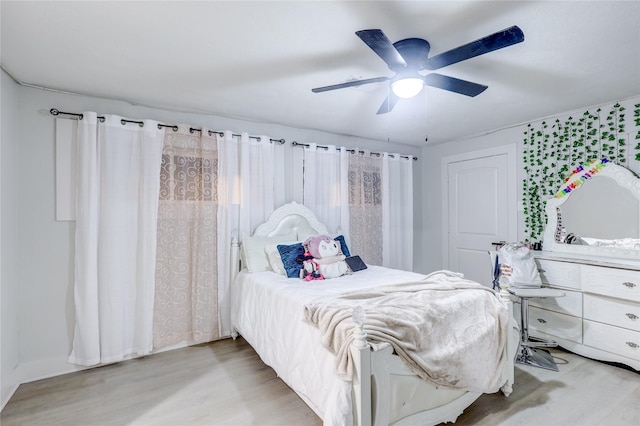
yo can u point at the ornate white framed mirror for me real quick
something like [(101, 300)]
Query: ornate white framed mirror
[(596, 212)]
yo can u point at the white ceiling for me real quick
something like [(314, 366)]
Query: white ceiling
[(259, 60)]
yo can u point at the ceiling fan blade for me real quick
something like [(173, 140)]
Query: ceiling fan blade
[(379, 43), (454, 84), (353, 83), (504, 38), (388, 104)]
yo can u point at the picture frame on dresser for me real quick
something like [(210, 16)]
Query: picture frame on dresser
[(599, 317)]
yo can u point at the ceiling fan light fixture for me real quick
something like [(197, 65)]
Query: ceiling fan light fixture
[(407, 87)]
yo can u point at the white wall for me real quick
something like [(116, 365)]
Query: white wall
[(430, 167), (44, 252), (9, 286)]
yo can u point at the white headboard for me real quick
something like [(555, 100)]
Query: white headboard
[(285, 220), (292, 217)]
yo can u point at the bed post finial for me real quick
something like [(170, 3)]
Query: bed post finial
[(361, 355), (359, 334), (509, 370), (235, 257)]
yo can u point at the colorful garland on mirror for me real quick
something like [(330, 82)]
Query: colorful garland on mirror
[(581, 174)]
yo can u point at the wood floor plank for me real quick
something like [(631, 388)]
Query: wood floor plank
[(583, 393), (226, 383), (221, 383)]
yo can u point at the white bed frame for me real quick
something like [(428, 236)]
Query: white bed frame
[(384, 390)]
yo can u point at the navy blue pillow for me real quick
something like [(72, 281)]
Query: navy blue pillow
[(343, 245), (289, 253)]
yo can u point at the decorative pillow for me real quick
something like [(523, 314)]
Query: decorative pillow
[(343, 245), (289, 253), (275, 261), (254, 256)]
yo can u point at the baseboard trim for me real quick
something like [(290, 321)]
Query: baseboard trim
[(57, 366), (46, 368), (7, 391), (6, 398), (52, 367)]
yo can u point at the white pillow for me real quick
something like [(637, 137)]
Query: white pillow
[(254, 255), (275, 260)]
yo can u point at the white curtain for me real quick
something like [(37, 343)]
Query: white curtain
[(397, 211), (186, 298), (366, 197), (248, 187), (365, 206), (118, 175), (325, 186), (257, 183)]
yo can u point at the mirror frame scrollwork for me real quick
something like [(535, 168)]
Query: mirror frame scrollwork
[(621, 175)]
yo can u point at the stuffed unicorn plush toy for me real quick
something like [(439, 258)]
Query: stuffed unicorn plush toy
[(327, 255)]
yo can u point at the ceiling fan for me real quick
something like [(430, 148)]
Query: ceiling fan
[(409, 56)]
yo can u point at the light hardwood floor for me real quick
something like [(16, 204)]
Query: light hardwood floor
[(225, 383)]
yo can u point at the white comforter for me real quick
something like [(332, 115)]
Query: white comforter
[(448, 330), (267, 309)]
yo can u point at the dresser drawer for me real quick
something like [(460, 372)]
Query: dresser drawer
[(570, 304), (559, 274), (612, 339), (552, 323), (621, 313), (620, 283)]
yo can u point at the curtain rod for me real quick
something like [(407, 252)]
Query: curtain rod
[(353, 151), (174, 127)]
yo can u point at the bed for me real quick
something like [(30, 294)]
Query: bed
[(271, 312)]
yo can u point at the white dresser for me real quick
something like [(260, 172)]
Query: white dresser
[(600, 315)]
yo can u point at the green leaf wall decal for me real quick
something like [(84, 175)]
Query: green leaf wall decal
[(550, 153)]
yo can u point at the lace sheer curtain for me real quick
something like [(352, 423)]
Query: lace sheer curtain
[(156, 212), (186, 297), (365, 207), (381, 209)]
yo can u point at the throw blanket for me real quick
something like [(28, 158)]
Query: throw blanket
[(448, 330)]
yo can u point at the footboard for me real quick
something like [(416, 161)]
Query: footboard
[(386, 392)]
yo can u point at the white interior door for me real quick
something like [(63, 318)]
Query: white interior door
[(480, 209)]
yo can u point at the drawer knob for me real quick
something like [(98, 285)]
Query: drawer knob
[(628, 284), (632, 344), (632, 316), (540, 320)]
